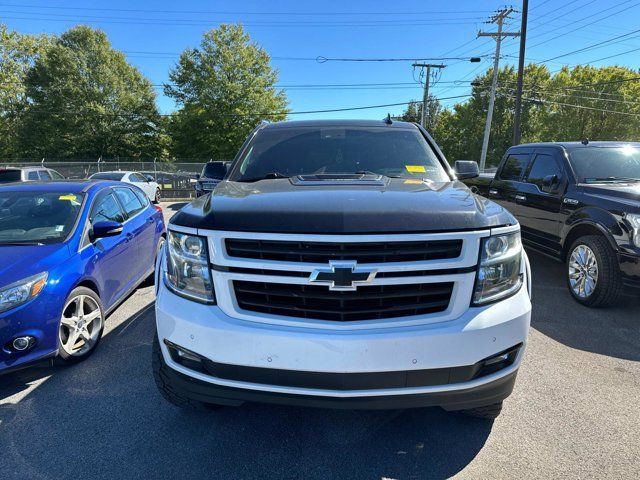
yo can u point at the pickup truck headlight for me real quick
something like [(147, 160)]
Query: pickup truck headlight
[(187, 267), (22, 291), (634, 220), (499, 270)]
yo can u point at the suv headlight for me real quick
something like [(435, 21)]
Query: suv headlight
[(22, 291), (499, 270), (634, 220), (187, 267)]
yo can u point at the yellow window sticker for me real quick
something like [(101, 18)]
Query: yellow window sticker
[(415, 168), (71, 198), (413, 182)]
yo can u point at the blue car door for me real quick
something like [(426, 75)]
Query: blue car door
[(109, 259), (142, 228)]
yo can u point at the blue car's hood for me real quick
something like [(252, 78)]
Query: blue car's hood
[(21, 261)]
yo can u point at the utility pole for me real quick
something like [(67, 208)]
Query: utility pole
[(523, 41), (425, 96), (498, 19)]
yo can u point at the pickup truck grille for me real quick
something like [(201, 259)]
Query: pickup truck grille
[(322, 252), (366, 303)]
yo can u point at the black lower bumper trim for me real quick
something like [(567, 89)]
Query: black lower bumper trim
[(486, 394), (44, 361)]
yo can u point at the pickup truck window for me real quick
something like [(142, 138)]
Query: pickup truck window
[(287, 152), (543, 166), (513, 167), (593, 164)]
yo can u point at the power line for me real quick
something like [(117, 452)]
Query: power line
[(590, 47), (199, 12)]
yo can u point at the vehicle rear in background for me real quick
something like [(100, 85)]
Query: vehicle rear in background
[(578, 202), (70, 252), (212, 174), (342, 265)]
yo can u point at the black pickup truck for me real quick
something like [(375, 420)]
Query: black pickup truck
[(580, 203)]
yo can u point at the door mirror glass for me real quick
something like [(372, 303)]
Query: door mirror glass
[(550, 183), (197, 176), (466, 169), (105, 229), (149, 178)]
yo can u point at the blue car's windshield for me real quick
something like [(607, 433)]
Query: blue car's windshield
[(37, 217)]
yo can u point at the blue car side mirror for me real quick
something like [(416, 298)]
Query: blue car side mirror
[(106, 229)]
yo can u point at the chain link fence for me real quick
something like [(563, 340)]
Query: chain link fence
[(176, 179)]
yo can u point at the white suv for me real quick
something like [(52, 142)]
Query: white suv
[(383, 285)]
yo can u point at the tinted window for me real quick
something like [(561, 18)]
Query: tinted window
[(42, 217), (33, 175), (7, 176), (116, 176), (56, 175), (339, 150), (214, 170), (129, 201), (593, 164), (136, 177), (45, 175), (513, 167), (107, 209), (543, 166)]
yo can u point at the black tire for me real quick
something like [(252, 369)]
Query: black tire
[(488, 412), (65, 358), (167, 390), (151, 279), (609, 279), (158, 197)]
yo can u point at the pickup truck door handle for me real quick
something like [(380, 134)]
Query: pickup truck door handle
[(521, 198), (493, 191)]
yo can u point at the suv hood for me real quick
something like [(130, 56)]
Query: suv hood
[(396, 205), (22, 261)]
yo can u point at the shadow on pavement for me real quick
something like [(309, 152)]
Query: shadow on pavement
[(106, 418), (175, 206), (611, 331)]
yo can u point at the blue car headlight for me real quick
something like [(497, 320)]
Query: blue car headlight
[(499, 274), (22, 291), (187, 270)]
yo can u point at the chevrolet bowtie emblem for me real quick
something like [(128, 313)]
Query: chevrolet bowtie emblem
[(342, 275)]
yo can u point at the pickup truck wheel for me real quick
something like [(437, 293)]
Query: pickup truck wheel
[(593, 274), (167, 390), (488, 412), (158, 196)]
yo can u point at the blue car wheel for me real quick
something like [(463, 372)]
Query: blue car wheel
[(81, 325)]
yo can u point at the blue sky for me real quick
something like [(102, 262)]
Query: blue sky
[(295, 33)]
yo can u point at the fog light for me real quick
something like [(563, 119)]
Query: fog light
[(185, 357), (22, 343)]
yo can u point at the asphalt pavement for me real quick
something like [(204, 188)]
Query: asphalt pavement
[(574, 413)]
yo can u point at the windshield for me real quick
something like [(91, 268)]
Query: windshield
[(37, 217), (7, 176), (215, 170), (285, 152), (597, 164), (117, 176)]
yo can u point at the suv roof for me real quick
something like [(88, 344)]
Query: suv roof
[(339, 123), (572, 145)]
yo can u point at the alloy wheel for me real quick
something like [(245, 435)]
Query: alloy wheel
[(80, 325), (583, 271)]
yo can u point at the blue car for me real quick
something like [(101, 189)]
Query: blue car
[(70, 252)]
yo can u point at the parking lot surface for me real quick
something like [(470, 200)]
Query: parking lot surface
[(574, 413)]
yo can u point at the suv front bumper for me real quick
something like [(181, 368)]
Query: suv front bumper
[(241, 346)]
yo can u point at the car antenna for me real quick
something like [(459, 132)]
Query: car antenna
[(585, 141), (388, 120)]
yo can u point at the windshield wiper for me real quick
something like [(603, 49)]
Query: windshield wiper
[(263, 177), (20, 243), (612, 179)]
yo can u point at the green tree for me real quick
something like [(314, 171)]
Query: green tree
[(85, 100), (223, 90), (413, 112), (18, 53)]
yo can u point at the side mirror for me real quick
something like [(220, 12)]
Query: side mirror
[(197, 176), (149, 178), (466, 169), (106, 229), (550, 183)]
